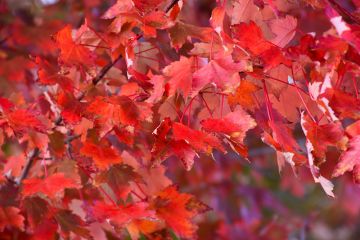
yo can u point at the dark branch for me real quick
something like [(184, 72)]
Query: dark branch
[(30, 160), (104, 70), (173, 3)]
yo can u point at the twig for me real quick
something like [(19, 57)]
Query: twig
[(30, 159), (104, 70), (172, 4)]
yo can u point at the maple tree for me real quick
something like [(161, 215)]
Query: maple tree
[(169, 119)]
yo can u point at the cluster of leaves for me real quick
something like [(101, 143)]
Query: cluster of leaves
[(90, 116)]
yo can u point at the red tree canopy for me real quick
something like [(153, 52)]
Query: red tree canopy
[(165, 119)]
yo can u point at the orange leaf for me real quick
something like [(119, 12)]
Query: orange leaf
[(117, 110), (103, 156), (177, 210), (244, 95)]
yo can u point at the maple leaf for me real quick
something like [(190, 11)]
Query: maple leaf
[(37, 210), (158, 82), (326, 184), (121, 6), (350, 160), (177, 210), (184, 152), (180, 32), (70, 222), (199, 140), (234, 125), (223, 72), (249, 36), (49, 74), (155, 21), (164, 146), (285, 145), (72, 53), (50, 186), (322, 135), (284, 29), (243, 11), (103, 155), (118, 178), (23, 120), (345, 105), (180, 76), (116, 110), (71, 108), (217, 18), (11, 217)]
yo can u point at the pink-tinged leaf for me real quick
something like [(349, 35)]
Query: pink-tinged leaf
[(121, 6), (184, 153), (234, 124), (350, 160), (217, 18), (121, 215), (244, 11), (50, 186), (180, 76), (284, 29), (223, 72), (158, 82)]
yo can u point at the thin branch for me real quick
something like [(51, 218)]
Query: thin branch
[(30, 160), (172, 4), (104, 70)]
